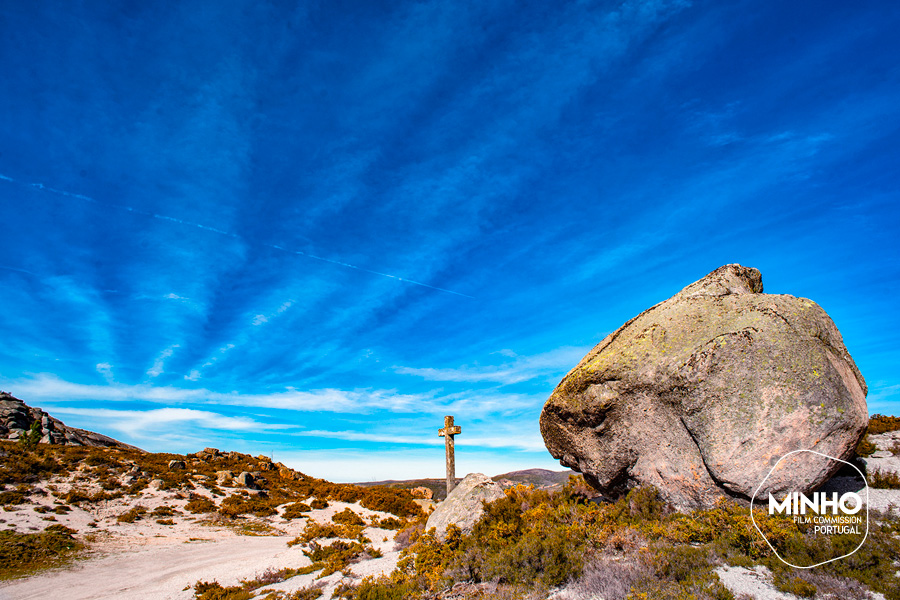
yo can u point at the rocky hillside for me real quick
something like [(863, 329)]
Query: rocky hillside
[(19, 421)]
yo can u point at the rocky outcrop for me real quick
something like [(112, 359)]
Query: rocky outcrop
[(702, 394), (18, 420), (464, 505)]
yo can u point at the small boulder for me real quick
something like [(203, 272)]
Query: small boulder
[(224, 477), (246, 479), (175, 465), (464, 505)]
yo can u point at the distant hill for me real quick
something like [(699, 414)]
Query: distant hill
[(19, 421), (540, 478)]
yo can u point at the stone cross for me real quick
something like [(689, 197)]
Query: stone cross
[(447, 433)]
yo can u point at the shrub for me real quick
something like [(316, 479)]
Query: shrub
[(200, 504), (132, 515), (883, 424), (865, 447), (392, 523), (22, 554), (214, 591), (884, 479), (314, 530), (792, 584), (318, 504), (347, 517), (337, 555), (13, 497), (234, 505), (295, 510)]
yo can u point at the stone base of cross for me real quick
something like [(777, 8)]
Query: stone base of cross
[(447, 433)]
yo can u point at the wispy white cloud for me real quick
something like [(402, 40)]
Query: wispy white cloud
[(523, 368), (147, 423), (105, 369), (159, 364), (46, 386), (259, 320)]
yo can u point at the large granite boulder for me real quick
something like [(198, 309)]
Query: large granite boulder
[(465, 504), (702, 394)]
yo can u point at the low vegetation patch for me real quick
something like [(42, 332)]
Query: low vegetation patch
[(883, 424), (199, 505), (132, 515), (636, 549), (883, 479), (22, 554), (338, 555), (314, 530), (235, 505), (296, 510), (347, 517)]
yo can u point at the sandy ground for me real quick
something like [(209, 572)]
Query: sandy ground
[(146, 560)]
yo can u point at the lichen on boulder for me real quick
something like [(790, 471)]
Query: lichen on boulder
[(701, 395)]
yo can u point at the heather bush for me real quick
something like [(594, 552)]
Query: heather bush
[(296, 510), (132, 515), (200, 504), (347, 517), (235, 505), (883, 424), (23, 553), (338, 555)]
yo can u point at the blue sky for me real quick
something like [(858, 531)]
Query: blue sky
[(313, 230)]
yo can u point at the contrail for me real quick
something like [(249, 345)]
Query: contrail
[(82, 197)]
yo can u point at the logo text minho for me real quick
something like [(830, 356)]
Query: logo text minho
[(841, 508)]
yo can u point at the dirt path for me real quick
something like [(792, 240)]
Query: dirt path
[(157, 572)]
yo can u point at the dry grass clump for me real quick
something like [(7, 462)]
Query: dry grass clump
[(22, 554)]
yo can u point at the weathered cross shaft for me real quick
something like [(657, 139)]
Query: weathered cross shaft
[(447, 433)]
